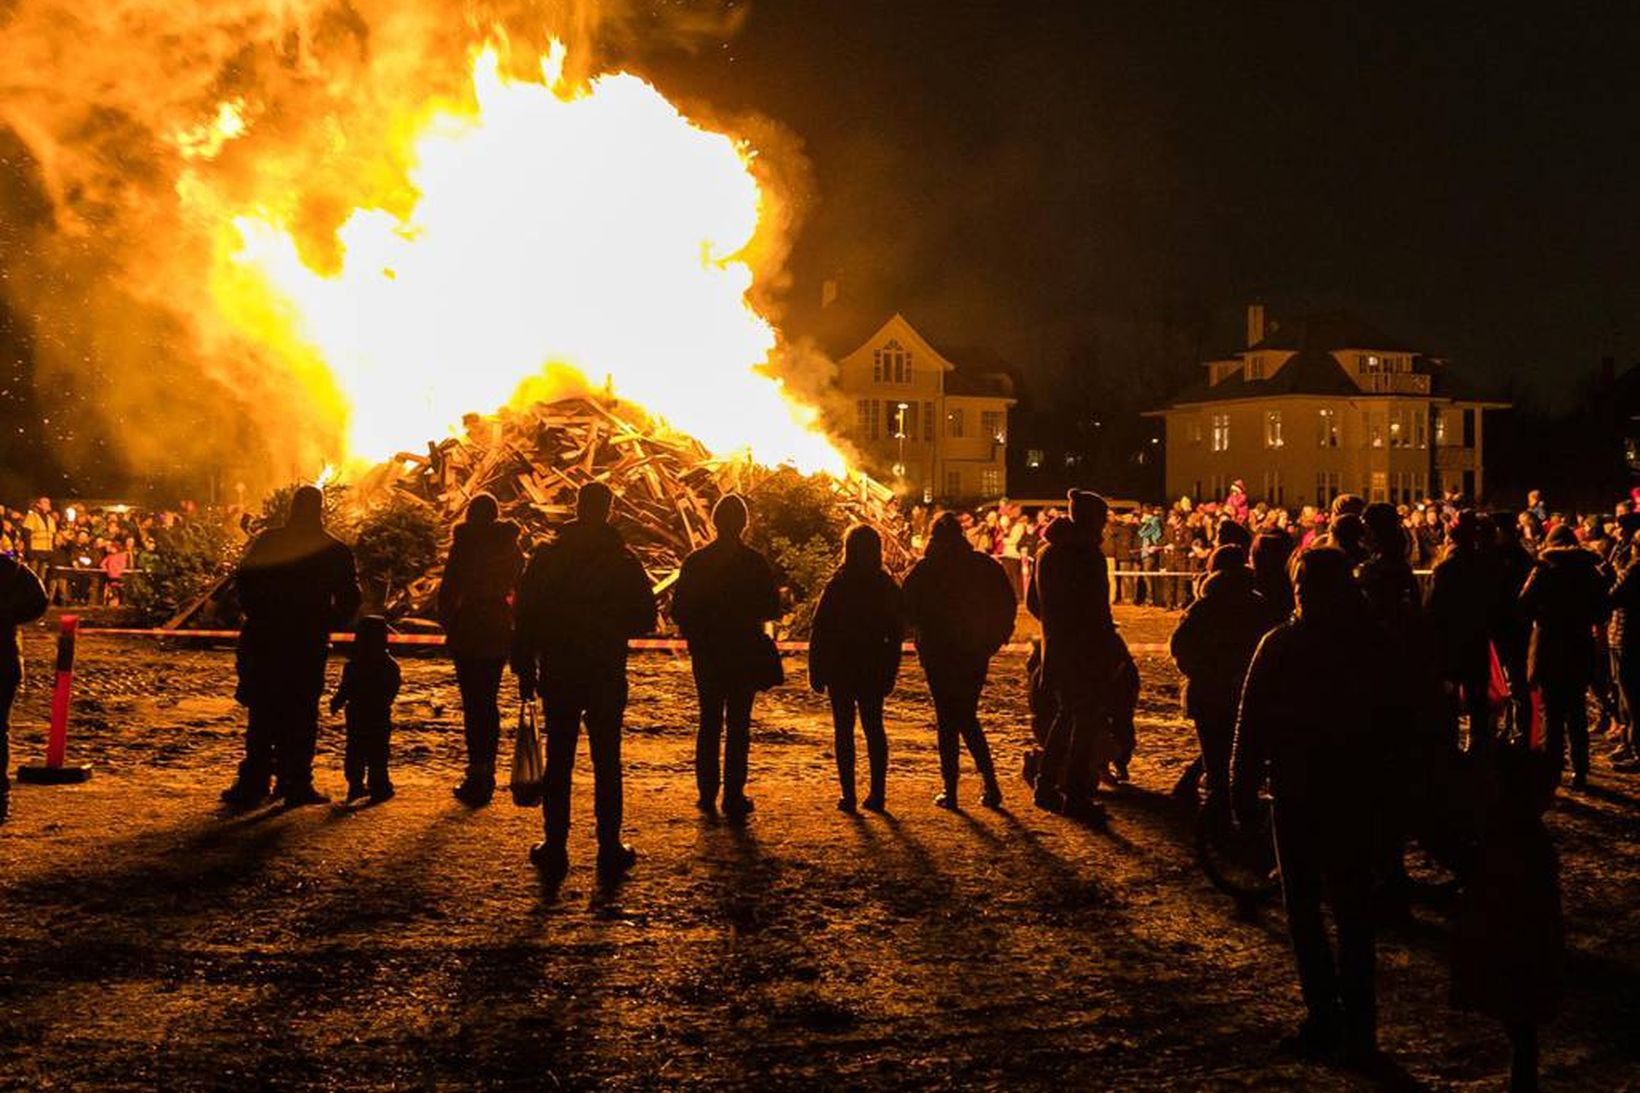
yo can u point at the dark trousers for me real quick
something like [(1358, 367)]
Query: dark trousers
[(280, 738), (1628, 685), (726, 729), (1078, 745), (956, 689), (601, 703), (1316, 866), (1476, 702), (479, 679), (11, 677), (1566, 724), (1216, 733), (365, 759), (870, 709)]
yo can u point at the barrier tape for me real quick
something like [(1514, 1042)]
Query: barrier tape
[(667, 645)]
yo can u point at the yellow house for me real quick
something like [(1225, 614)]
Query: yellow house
[(929, 425), (1323, 406)]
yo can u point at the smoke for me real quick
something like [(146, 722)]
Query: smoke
[(129, 132)]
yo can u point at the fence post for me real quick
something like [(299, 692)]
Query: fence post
[(57, 771)]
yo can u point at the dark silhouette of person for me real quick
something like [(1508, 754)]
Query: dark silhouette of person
[(1270, 554), (1213, 645), (854, 654), (22, 600), (296, 583), (1319, 710), (725, 594), (1511, 630), (1565, 599), (582, 598), (1081, 657), (1386, 576), (1463, 594), (961, 608), (475, 607), (370, 683), (1508, 935)]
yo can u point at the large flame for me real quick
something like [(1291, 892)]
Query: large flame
[(591, 227)]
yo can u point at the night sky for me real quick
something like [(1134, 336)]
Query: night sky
[(1032, 176)]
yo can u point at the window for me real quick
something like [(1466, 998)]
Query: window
[(1219, 487), (1274, 491), (1374, 428), (1034, 457), (1469, 428), (928, 422), (869, 421), (953, 424), (1440, 429), (990, 482), (1255, 367), (1221, 432), (1272, 429), (1400, 435), (891, 364), (1327, 429), (1196, 435), (953, 483), (1420, 427), (991, 425), (1370, 364), (1380, 486), (1326, 487)]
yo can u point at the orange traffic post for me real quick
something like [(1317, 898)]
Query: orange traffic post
[(57, 770)]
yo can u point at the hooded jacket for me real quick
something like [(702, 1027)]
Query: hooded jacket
[(854, 648), (1070, 595), (960, 603), (474, 598), (581, 598), (1215, 640), (1565, 600)]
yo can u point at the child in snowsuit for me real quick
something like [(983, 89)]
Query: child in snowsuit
[(370, 682)]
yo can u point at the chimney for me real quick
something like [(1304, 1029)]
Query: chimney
[(1255, 324)]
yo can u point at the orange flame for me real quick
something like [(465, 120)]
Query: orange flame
[(591, 228)]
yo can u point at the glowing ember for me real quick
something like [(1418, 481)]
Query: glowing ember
[(592, 228)]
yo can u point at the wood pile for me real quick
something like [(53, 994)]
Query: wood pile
[(534, 460)]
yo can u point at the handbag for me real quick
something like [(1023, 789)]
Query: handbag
[(529, 767), (767, 670)]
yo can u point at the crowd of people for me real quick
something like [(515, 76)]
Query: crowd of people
[(84, 554), (1322, 677)]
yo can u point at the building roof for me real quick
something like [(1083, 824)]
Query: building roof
[(1329, 331)]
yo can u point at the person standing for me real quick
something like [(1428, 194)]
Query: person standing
[(1462, 609), (725, 594), (370, 683), (1319, 700), (40, 534), (854, 653), (961, 608), (475, 606), (581, 599), (1565, 600), (296, 583), (22, 600), (1071, 598)]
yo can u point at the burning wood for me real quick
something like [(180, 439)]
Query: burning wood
[(665, 483)]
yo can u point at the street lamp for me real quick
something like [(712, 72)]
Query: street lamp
[(899, 435)]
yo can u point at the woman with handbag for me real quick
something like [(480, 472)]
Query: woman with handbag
[(725, 594), (854, 653), (475, 606)]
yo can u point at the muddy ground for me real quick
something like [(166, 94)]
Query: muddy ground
[(147, 939)]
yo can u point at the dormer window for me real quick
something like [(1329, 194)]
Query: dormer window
[(1255, 367), (891, 364)]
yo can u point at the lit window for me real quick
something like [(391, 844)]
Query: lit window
[(953, 483), (953, 424), (1196, 435), (1221, 432), (991, 425), (1420, 427), (990, 482), (868, 413), (1034, 457), (1272, 429), (1255, 367), (1327, 429)]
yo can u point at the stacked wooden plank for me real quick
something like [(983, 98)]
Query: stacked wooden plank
[(534, 460)]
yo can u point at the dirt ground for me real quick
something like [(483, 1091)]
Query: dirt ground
[(147, 939)]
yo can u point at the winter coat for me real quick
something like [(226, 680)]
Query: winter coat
[(1462, 597), (22, 600), (1276, 586), (581, 599), (726, 591), (296, 583), (1215, 640), (1070, 595), (854, 647), (1323, 715), (475, 596), (1510, 627), (1565, 600), (960, 605), (369, 686)]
